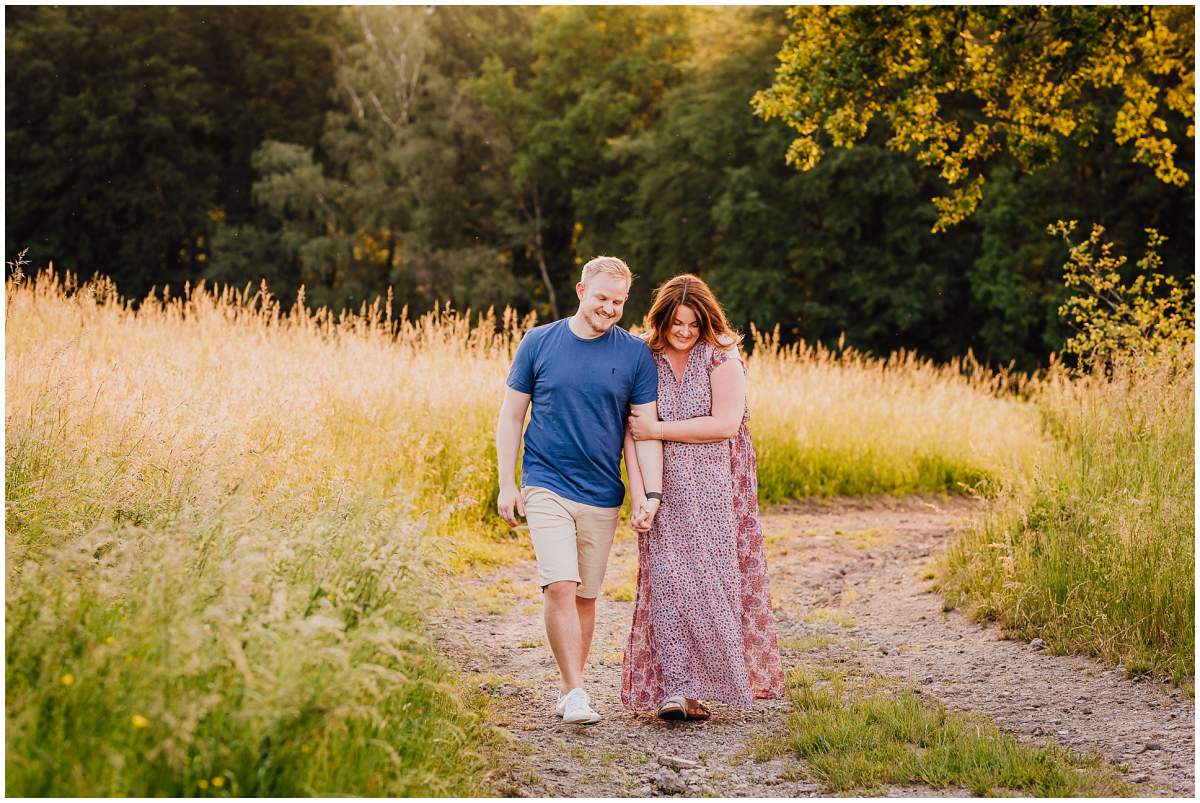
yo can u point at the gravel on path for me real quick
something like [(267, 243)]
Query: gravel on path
[(849, 587)]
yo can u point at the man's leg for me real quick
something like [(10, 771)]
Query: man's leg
[(562, 629), (585, 608), (596, 527), (552, 529)]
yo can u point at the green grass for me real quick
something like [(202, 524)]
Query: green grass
[(226, 526), (857, 737), (1097, 553), (221, 547)]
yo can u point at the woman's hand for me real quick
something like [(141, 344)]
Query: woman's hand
[(645, 429)]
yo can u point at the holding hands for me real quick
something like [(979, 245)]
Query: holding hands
[(641, 516)]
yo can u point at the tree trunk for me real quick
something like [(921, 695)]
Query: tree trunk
[(541, 251)]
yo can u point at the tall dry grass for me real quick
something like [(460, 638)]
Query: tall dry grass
[(828, 423), (225, 525), (222, 527), (1095, 551)]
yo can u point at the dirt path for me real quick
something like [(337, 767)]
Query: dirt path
[(847, 580)]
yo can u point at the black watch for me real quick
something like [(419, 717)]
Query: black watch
[(654, 495)]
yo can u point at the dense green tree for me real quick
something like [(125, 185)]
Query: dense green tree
[(597, 73), (396, 196), (840, 249), (107, 125), (129, 130), (478, 156)]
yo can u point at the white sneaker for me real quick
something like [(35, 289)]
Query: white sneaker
[(561, 705), (576, 710)]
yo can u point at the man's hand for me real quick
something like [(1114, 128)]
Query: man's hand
[(643, 516), (510, 498)]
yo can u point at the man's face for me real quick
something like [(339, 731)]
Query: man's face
[(601, 301)]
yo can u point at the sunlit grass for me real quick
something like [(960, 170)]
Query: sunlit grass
[(827, 423), (222, 528), (225, 525), (1096, 553)]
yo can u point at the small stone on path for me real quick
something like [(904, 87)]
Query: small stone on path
[(677, 763)]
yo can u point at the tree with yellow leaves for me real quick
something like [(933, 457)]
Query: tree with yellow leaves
[(958, 84)]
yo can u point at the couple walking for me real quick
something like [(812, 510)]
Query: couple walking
[(675, 405)]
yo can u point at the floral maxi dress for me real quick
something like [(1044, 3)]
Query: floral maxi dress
[(702, 622)]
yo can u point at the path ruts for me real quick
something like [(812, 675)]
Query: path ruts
[(847, 582)]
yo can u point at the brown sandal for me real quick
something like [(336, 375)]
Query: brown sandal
[(674, 708), (696, 709), (679, 708)]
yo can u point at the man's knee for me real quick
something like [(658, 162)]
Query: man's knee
[(561, 592)]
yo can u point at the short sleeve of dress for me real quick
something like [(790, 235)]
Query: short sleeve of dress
[(722, 355), (719, 357)]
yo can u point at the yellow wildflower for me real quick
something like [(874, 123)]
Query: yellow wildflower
[(139, 721), (68, 679), (109, 640), (218, 781), (202, 783), (304, 748)]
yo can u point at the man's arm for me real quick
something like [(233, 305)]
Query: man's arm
[(508, 440), (637, 491), (650, 462)]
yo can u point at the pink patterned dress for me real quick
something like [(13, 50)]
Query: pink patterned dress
[(702, 622)]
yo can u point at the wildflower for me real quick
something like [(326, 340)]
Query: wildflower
[(304, 748), (139, 721), (218, 781), (202, 783), (109, 640)]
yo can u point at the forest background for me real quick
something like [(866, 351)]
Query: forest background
[(478, 155)]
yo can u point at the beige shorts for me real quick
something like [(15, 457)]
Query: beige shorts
[(571, 539)]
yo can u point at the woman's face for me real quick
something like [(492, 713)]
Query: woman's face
[(684, 330)]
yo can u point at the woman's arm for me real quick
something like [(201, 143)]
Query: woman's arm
[(728, 407)]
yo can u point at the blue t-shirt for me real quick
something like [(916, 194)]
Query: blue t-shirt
[(581, 391)]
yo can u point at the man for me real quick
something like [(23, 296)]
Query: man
[(583, 375)]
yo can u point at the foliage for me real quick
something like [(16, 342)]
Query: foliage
[(391, 199), (477, 156), (129, 130), (1095, 551), (596, 74), (958, 84), (1151, 315), (224, 526)]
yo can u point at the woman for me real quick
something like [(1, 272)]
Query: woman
[(702, 622)]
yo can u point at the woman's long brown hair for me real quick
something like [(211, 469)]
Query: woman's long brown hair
[(689, 289)]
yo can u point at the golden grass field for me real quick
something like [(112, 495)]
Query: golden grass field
[(225, 524)]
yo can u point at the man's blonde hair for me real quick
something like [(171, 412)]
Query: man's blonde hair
[(611, 265)]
